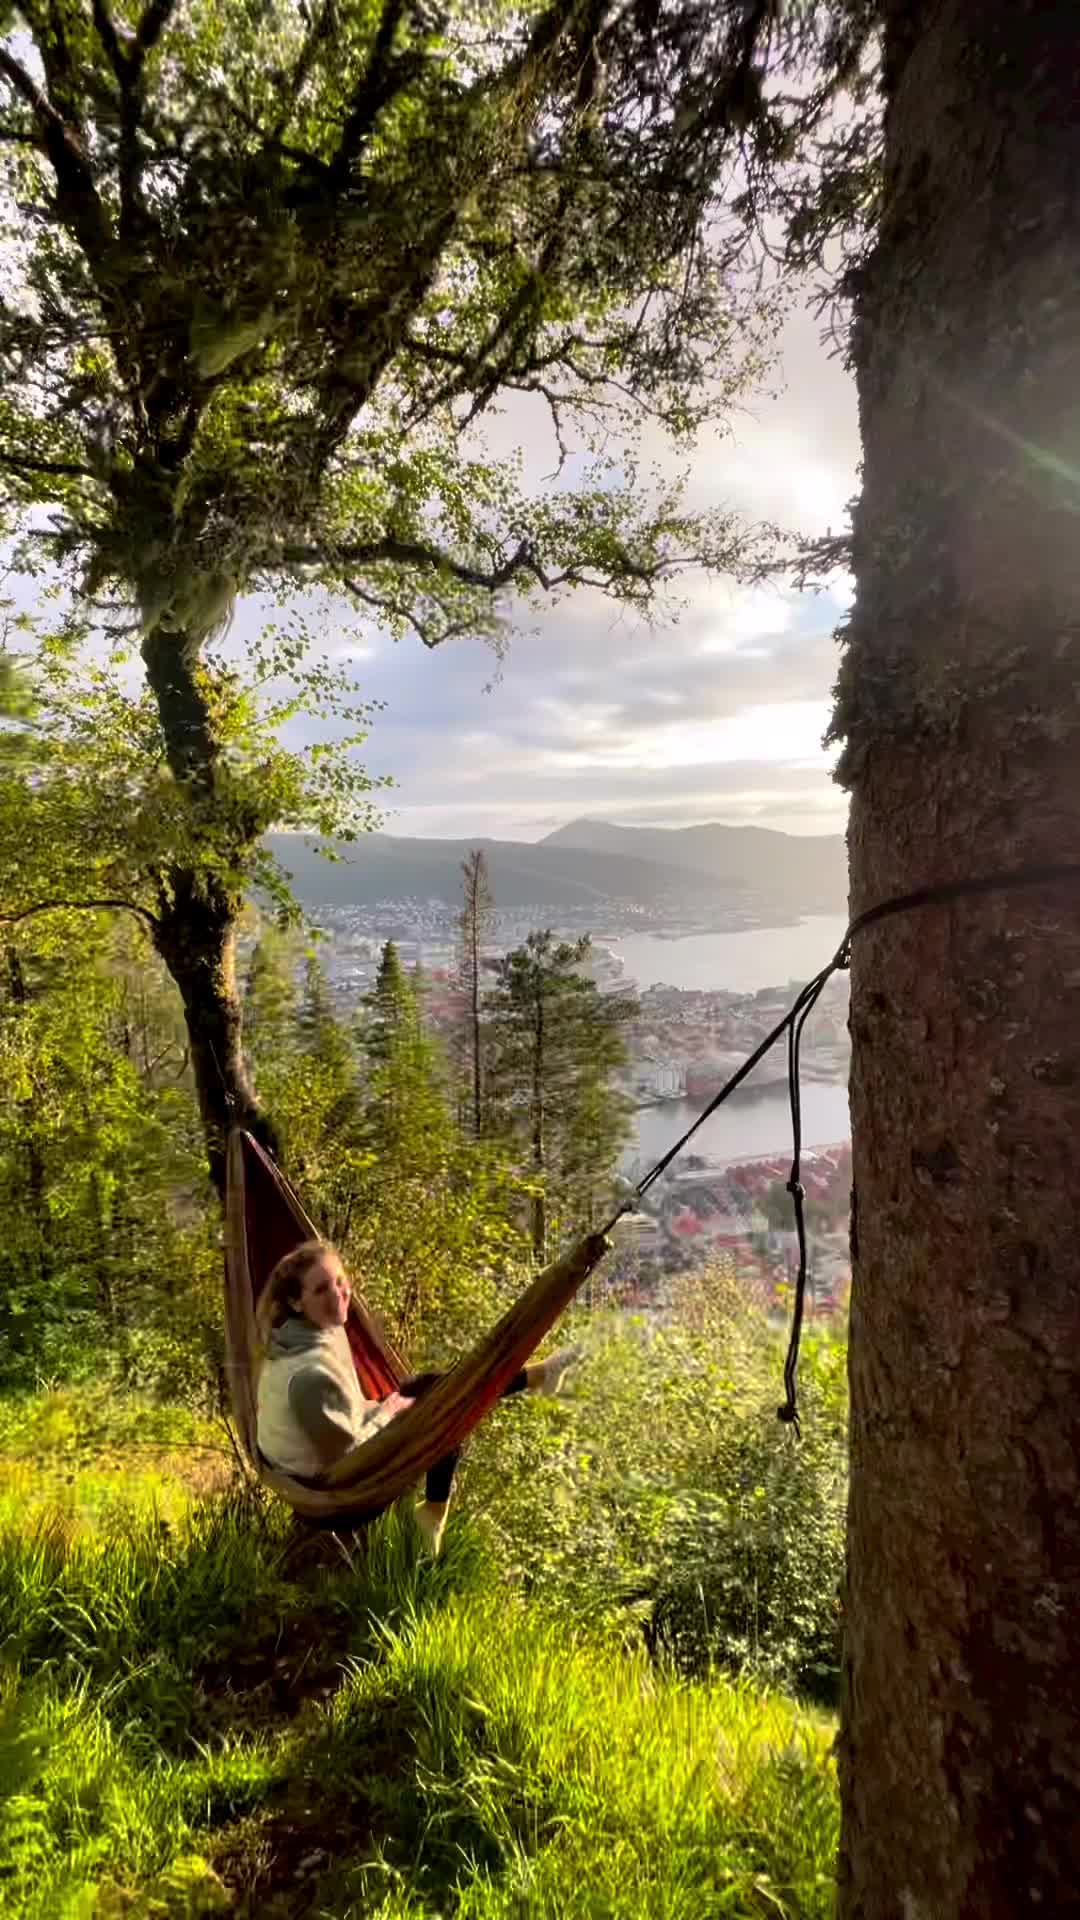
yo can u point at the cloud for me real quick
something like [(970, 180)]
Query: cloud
[(715, 710)]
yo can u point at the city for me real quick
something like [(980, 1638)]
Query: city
[(683, 1044)]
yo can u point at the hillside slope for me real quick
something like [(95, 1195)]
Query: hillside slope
[(212, 1717), (771, 875), (748, 856)]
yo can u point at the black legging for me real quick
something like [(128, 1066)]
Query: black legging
[(440, 1478)]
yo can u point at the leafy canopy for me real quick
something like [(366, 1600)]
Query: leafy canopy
[(90, 809), (269, 262)]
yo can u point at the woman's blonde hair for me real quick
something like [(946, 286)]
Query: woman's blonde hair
[(281, 1294)]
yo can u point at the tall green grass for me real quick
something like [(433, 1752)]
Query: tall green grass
[(535, 1774), (206, 1715), (83, 1451)]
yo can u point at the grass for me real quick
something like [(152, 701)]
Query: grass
[(82, 1452), (200, 1715)]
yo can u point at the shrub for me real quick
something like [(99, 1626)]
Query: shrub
[(666, 1501)]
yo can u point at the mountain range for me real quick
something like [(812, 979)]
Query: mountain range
[(677, 870)]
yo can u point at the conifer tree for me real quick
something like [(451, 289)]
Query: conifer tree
[(270, 995), (557, 1042), (328, 1049), (406, 1117), (473, 925), (306, 1066), (101, 1189)]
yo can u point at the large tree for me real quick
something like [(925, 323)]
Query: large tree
[(406, 1115), (958, 707), (267, 264), (91, 818)]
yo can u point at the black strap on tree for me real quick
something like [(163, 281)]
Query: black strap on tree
[(793, 1024)]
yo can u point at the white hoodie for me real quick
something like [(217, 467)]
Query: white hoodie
[(310, 1407)]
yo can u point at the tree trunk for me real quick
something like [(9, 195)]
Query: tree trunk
[(474, 916), (960, 1749), (477, 1038), (539, 1144), (36, 1186), (196, 931), (196, 938)]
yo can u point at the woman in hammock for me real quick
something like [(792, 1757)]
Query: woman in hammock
[(310, 1407)]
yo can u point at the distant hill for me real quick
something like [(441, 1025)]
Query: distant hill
[(810, 866), (587, 863)]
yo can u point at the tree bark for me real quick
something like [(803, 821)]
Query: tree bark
[(539, 1143), (474, 1018), (475, 911), (171, 660), (195, 931), (196, 938), (36, 1196), (958, 704)]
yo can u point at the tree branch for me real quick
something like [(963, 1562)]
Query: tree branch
[(383, 78), (318, 31), (152, 26), (77, 196), (127, 63), (79, 906), (30, 463), (412, 553), (429, 635), (25, 85), (524, 560), (106, 33)]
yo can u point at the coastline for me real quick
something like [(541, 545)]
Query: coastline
[(751, 1089)]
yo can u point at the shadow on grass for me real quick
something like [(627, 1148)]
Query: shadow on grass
[(375, 1797), (228, 1623), (343, 1729)]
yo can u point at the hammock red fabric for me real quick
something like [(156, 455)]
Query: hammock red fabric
[(263, 1221)]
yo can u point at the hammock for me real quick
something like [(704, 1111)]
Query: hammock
[(263, 1221)]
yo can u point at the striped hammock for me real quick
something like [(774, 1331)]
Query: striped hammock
[(263, 1221)]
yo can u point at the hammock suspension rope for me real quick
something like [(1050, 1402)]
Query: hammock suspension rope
[(378, 1471), (941, 893)]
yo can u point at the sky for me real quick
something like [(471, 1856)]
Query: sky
[(714, 711), (711, 711)]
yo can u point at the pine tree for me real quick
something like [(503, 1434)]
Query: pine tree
[(406, 1118), (328, 1047), (306, 1065), (557, 1042), (434, 1213), (388, 1008), (270, 994), (101, 1187), (473, 924)]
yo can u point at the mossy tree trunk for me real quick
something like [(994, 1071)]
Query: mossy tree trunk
[(196, 938), (958, 702), (196, 921), (35, 1189)]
